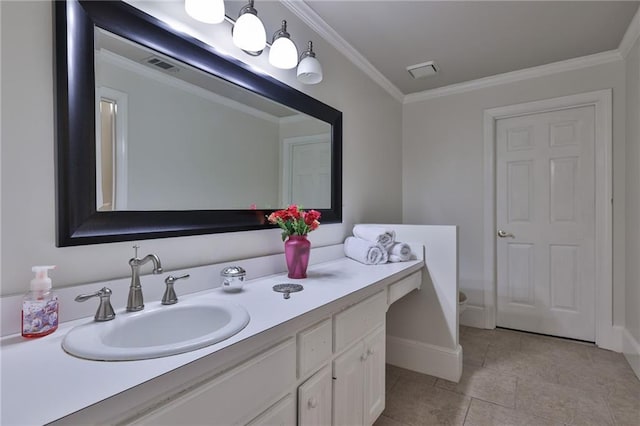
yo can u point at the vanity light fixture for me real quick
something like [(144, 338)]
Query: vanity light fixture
[(283, 53), (248, 31), (249, 34), (309, 68), (207, 11)]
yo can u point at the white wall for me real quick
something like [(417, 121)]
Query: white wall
[(372, 189), (632, 311), (443, 165)]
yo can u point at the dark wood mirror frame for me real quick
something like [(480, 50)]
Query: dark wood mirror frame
[(78, 222)]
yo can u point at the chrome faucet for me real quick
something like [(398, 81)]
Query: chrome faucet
[(135, 301), (105, 311), (170, 297)]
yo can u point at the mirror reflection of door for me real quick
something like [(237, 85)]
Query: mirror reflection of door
[(307, 179), (105, 182), (111, 150)]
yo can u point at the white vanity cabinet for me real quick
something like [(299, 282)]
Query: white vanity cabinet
[(314, 394), (359, 370), (348, 386), (337, 365), (326, 367), (374, 375), (314, 347), (314, 399), (234, 397), (358, 382), (283, 413)]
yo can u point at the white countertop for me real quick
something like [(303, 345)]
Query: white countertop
[(42, 383)]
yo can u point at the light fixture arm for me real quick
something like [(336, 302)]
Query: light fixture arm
[(309, 52), (248, 8), (282, 32)]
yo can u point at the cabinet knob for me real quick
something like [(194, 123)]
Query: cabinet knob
[(313, 402), (370, 351), (364, 357)]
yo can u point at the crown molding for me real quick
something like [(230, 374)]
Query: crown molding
[(324, 30), (513, 76), (631, 35)]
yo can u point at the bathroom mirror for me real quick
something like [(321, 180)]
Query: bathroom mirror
[(159, 136)]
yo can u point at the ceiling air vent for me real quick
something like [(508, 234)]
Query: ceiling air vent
[(161, 63), (423, 70)]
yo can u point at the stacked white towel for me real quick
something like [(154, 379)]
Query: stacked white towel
[(367, 252), (376, 234), (399, 252)]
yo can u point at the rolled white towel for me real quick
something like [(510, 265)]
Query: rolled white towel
[(364, 251), (376, 234), (399, 252)]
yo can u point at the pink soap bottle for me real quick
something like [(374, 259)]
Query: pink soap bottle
[(40, 305)]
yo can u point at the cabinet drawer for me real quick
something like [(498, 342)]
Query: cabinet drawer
[(283, 413), (354, 322), (235, 396), (404, 286), (314, 347)]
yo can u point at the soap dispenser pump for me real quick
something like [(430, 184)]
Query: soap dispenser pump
[(40, 305)]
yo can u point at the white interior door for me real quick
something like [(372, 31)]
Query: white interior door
[(545, 195), (307, 180)]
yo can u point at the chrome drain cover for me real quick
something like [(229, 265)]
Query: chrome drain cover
[(287, 288)]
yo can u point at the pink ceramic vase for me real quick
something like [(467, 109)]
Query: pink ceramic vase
[(296, 252)]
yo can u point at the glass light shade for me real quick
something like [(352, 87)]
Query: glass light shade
[(309, 70), (249, 33), (207, 11), (283, 53)]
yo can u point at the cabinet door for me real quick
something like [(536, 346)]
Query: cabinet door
[(374, 373), (348, 382), (314, 399)]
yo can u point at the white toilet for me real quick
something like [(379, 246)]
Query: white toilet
[(462, 302)]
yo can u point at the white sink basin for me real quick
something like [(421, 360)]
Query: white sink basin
[(157, 332)]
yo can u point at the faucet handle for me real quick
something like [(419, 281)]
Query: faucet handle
[(105, 311), (170, 297)]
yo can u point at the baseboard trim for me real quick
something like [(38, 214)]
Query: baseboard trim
[(424, 358), (631, 351), (473, 316), (612, 339)]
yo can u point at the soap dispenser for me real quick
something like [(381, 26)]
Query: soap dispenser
[(40, 305)]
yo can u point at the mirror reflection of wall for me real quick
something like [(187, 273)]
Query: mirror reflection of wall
[(184, 147)]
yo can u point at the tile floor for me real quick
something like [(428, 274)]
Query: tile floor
[(514, 378)]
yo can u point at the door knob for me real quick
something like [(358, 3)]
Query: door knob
[(313, 402), (505, 234)]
